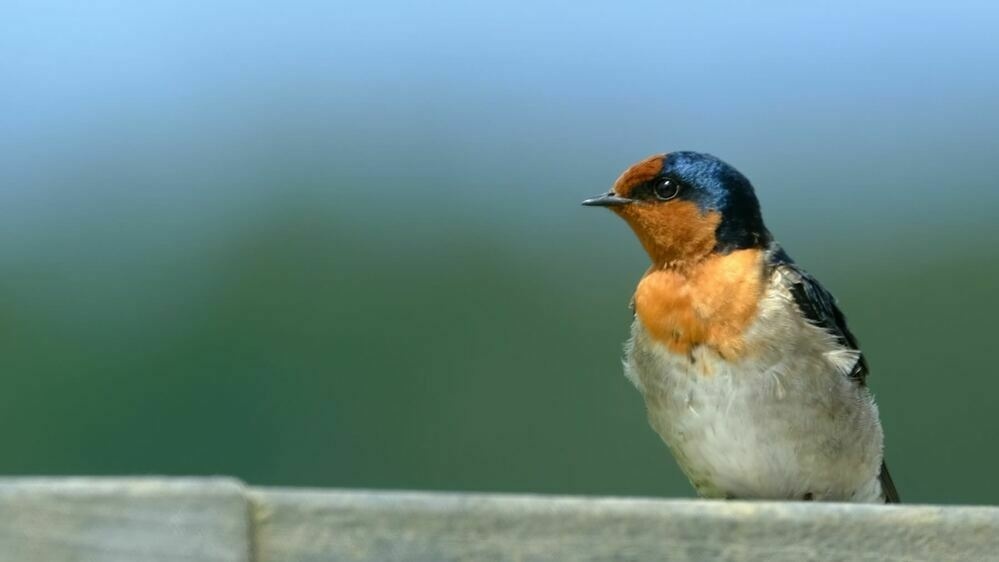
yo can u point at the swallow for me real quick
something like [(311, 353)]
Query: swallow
[(747, 368)]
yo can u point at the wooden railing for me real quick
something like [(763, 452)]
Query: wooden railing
[(220, 519)]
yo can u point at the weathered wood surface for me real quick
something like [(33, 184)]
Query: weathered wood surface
[(65, 520), (123, 520), (313, 526)]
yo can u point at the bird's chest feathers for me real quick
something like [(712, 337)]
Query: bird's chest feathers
[(710, 303)]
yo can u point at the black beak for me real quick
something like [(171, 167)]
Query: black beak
[(607, 200)]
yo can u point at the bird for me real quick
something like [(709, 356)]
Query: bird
[(744, 360)]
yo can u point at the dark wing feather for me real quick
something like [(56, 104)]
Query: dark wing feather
[(819, 307)]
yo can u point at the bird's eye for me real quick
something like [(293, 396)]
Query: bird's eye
[(666, 189)]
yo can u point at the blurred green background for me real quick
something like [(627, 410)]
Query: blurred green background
[(340, 244)]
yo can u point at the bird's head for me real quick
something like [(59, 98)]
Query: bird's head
[(685, 206)]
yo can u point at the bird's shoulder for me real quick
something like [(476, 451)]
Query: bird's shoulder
[(815, 303)]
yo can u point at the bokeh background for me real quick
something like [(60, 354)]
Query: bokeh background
[(340, 244)]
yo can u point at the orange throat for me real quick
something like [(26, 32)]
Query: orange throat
[(680, 232), (708, 303)]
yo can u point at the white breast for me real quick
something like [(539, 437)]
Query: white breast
[(784, 422)]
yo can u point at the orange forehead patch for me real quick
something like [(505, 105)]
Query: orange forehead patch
[(638, 174)]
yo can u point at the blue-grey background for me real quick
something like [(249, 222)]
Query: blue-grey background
[(340, 244)]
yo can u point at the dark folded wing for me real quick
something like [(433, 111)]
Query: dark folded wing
[(819, 307)]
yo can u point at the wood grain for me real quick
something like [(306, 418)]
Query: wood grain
[(123, 520), (182, 520), (317, 526)]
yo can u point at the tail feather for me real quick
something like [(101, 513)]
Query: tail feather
[(887, 486)]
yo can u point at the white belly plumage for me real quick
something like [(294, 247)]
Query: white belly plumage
[(784, 422)]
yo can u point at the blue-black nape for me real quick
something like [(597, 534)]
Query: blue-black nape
[(716, 186)]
